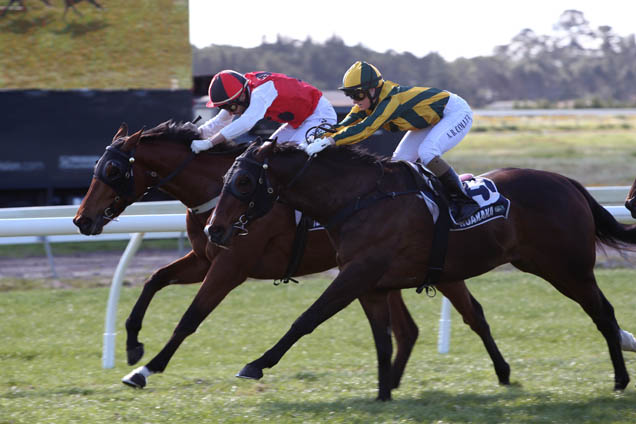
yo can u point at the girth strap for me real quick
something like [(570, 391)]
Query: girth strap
[(439, 247), (297, 251)]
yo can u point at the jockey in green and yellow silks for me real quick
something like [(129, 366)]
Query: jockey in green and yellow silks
[(435, 121)]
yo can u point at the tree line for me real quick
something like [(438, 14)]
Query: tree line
[(577, 66)]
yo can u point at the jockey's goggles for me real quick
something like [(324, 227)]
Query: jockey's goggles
[(357, 95), (230, 107)]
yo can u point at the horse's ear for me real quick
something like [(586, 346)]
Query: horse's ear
[(266, 149), (122, 131), (132, 141)]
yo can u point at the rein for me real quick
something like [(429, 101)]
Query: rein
[(170, 176), (363, 202)]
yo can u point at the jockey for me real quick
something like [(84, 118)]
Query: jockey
[(435, 121), (257, 95)]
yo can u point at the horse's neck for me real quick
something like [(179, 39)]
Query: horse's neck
[(321, 192), (197, 183)]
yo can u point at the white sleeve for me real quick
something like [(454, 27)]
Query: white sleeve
[(216, 124), (261, 99)]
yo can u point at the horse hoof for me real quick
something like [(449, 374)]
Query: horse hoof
[(135, 354), (250, 371), (621, 386), (135, 380)]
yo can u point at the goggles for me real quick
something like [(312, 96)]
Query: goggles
[(357, 95), (230, 107)]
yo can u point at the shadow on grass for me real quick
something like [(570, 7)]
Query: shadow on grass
[(78, 29), (514, 405), (23, 25)]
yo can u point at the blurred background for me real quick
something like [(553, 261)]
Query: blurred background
[(73, 71)]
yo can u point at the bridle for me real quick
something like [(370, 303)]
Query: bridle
[(260, 199), (115, 169)]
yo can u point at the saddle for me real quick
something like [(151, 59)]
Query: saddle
[(483, 191), (492, 205)]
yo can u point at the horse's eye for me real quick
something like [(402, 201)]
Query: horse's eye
[(112, 171), (243, 183)]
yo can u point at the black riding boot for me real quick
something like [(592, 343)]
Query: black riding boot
[(462, 206)]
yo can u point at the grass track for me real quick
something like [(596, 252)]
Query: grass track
[(50, 367)]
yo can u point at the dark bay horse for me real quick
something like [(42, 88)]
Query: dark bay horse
[(551, 231), (161, 157)]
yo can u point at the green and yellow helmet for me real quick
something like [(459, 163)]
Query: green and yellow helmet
[(361, 76)]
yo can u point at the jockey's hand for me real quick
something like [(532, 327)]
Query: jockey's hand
[(200, 145), (191, 127), (319, 145)]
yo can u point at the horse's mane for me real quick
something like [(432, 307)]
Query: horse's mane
[(348, 154), (181, 132)]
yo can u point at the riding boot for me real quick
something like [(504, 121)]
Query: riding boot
[(462, 205)]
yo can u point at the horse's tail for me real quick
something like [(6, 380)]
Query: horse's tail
[(609, 231)]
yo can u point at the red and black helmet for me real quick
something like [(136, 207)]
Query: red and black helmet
[(225, 87)]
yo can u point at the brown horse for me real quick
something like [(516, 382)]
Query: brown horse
[(161, 157), (383, 236)]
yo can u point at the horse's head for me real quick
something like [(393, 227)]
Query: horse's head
[(113, 187), (630, 202), (248, 194)]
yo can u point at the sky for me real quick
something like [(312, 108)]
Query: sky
[(459, 28)]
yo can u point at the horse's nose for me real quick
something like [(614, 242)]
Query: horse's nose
[(84, 224), (215, 234)]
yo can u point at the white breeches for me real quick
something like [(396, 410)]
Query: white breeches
[(437, 139), (323, 114)]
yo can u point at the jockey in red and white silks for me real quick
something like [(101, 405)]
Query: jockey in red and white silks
[(257, 95)]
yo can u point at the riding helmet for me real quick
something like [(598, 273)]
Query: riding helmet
[(362, 76), (226, 86)]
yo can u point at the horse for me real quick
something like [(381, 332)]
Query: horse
[(382, 233), (161, 158)]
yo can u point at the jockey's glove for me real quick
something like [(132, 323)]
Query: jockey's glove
[(319, 145), (200, 145), (191, 127)]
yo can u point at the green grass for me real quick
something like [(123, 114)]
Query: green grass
[(50, 367), (140, 44), (595, 150)]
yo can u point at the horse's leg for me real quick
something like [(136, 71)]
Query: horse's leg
[(376, 307), (602, 313), (223, 276), (353, 281), (405, 331), (581, 287), (186, 270), (473, 315)]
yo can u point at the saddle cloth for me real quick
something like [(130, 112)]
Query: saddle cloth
[(483, 191), (313, 225), (492, 204)]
